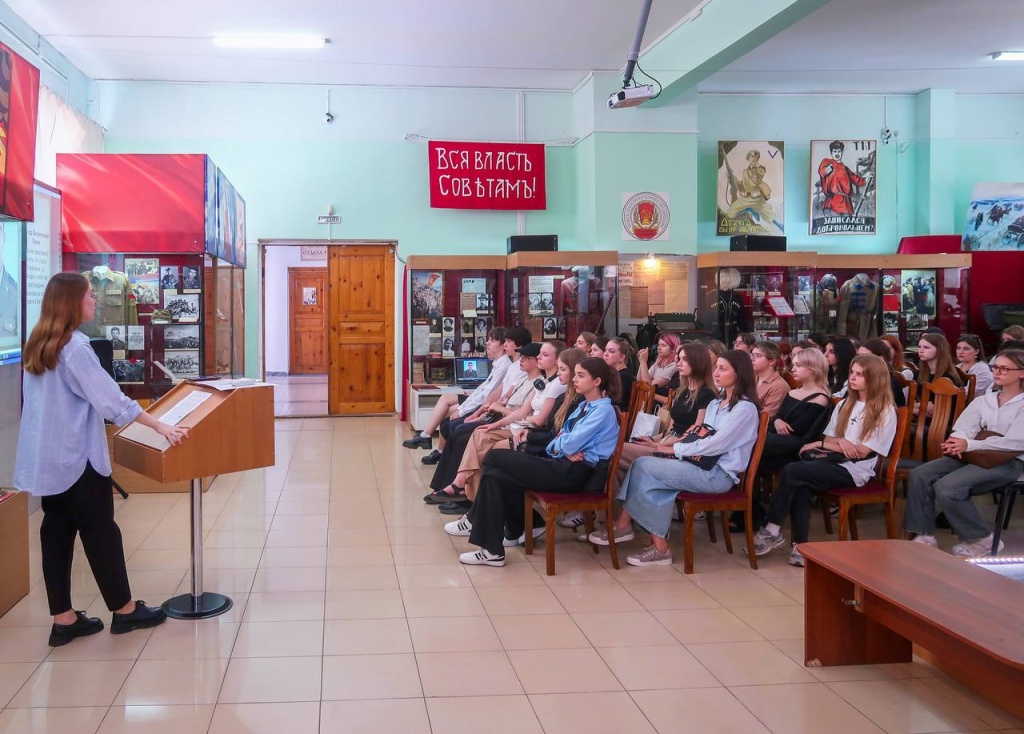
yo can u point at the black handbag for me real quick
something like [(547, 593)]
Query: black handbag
[(833, 457), (707, 463)]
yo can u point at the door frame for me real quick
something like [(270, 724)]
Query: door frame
[(399, 329), (291, 320)]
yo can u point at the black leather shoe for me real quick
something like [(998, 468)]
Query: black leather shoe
[(142, 618), (432, 458), (62, 634), (419, 442), (454, 508)]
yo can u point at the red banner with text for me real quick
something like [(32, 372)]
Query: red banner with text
[(487, 175)]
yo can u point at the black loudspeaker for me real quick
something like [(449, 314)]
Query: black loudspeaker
[(756, 243), (533, 243)]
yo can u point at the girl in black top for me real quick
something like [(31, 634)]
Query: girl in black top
[(840, 353), (804, 412), (616, 355)]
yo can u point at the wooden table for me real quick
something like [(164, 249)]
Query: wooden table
[(871, 601)]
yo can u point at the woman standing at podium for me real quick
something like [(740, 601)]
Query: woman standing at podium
[(62, 457)]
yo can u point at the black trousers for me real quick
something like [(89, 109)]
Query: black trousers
[(505, 479), (780, 450), (451, 456), (793, 495), (86, 509)]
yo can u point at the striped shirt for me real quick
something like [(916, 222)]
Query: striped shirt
[(62, 421)]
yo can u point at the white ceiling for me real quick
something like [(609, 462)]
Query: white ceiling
[(888, 46)]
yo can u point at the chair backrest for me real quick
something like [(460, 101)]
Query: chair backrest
[(970, 386), (611, 485), (946, 401), (911, 387), (749, 477), (639, 400), (790, 380), (892, 461)]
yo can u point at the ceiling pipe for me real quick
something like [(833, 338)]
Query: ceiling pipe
[(634, 50)]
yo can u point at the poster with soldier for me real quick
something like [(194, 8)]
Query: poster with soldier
[(843, 192), (750, 187)]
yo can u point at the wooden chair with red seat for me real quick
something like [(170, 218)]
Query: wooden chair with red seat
[(641, 399), (970, 386), (944, 401), (911, 387), (552, 504), (872, 493), (740, 497)]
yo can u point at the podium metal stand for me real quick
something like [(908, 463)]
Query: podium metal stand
[(230, 431)]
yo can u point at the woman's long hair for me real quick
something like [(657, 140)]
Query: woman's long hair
[(944, 364), (60, 315), (701, 369), (597, 368), (814, 361), (898, 363), (877, 397), (746, 382), (845, 352), (570, 358)]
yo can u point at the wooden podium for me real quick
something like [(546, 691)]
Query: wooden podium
[(229, 430)]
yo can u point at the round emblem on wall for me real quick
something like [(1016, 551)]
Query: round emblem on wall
[(645, 216)]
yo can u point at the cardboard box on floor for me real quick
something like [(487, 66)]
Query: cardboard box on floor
[(13, 550)]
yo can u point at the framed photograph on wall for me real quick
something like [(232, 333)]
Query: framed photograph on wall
[(843, 191)]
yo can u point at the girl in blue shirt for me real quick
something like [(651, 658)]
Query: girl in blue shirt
[(590, 435), (62, 457)]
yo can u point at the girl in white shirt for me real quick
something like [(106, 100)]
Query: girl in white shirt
[(970, 358), (862, 429)]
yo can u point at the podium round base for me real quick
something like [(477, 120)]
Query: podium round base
[(187, 606)]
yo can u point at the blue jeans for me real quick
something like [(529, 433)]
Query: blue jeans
[(953, 484), (649, 490)]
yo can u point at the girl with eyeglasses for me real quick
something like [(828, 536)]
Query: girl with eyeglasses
[(952, 482), (772, 387)]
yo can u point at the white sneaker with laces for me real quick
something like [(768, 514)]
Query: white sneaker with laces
[(521, 540), (765, 542), (600, 537), (481, 558), (976, 548), (931, 541), (571, 520), (460, 528), (650, 556)]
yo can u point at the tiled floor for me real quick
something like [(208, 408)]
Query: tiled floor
[(299, 395), (352, 614)]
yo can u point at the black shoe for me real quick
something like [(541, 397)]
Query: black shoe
[(142, 618), (455, 508), (432, 458), (419, 442), (942, 522), (62, 634)]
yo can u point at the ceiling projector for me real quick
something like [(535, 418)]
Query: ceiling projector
[(630, 96)]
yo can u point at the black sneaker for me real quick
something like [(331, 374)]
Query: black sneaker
[(454, 507), (62, 634), (432, 458), (142, 618), (419, 442)]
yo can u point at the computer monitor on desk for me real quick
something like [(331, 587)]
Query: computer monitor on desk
[(471, 371)]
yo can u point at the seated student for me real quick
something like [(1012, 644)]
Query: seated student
[(585, 341), (744, 342), (772, 387), (617, 354), (688, 407), (588, 437), (649, 491), (839, 352), (936, 360), (954, 482), (535, 439), (896, 359), (451, 456), (662, 373), (458, 405), (715, 349), (534, 412), (804, 412), (970, 357), (597, 348), (818, 340), (862, 427), (880, 349), (1014, 334)]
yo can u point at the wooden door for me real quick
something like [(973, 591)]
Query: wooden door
[(361, 329), (307, 308)]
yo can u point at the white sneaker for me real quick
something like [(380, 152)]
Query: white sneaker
[(521, 541), (571, 520), (765, 542), (600, 537), (931, 542), (650, 556), (700, 516), (481, 558), (460, 528), (976, 548), (795, 557)]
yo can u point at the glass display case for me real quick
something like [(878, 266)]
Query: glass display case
[(151, 308), (919, 291), (225, 329), (769, 294), (453, 303), (557, 295), (848, 296)]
